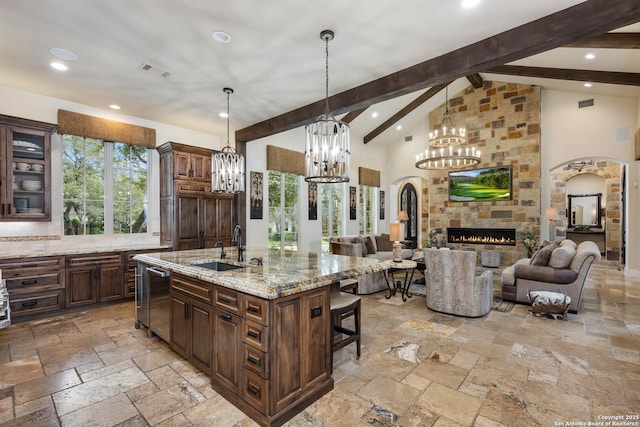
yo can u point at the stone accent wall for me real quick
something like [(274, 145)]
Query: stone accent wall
[(611, 212), (503, 121)]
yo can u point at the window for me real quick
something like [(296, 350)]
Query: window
[(368, 209), (283, 210), (105, 187), (332, 212)]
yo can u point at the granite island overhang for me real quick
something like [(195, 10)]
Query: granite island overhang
[(261, 332), (282, 272)]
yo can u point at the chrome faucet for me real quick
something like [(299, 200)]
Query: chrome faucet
[(223, 254), (237, 238)]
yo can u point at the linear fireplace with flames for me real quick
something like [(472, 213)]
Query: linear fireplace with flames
[(482, 236)]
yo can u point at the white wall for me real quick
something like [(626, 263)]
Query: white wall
[(42, 108), (310, 232), (603, 131)]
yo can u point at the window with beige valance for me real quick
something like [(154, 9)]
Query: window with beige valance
[(283, 160), (70, 123), (369, 177)]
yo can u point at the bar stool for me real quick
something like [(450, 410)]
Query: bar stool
[(343, 306)]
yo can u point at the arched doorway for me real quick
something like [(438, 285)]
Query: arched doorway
[(409, 204)]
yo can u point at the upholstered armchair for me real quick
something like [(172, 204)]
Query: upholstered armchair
[(453, 287)]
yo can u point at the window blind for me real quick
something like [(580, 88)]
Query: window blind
[(370, 177), (283, 160), (71, 123)]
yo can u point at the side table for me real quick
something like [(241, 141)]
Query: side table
[(405, 265)]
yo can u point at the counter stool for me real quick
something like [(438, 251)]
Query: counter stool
[(349, 285), (343, 306)]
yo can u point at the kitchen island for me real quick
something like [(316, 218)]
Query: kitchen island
[(261, 330)]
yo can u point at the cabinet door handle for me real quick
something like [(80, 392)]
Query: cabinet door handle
[(225, 300), (253, 309), (29, 304), (225, 316), (186, 310), (254, 334), (253, 390), (30, 282), (253, 360)]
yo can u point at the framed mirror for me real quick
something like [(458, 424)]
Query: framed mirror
[(585, 209)]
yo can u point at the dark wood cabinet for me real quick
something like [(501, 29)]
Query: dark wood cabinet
[(94, 278), (25, 169), (35, 285), (191, 216), (268, 357), (226, 349), (191, 322), (130, 269)]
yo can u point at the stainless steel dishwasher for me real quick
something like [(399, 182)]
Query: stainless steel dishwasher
[(152, 301)]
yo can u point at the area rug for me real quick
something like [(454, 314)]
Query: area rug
[(498, 303)]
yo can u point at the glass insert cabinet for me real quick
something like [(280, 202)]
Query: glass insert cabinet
[(25, 175)]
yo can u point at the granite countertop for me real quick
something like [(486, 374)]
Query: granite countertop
[(282, 273), (81, 251)]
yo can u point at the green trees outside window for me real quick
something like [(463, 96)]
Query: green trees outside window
[(283, 210), (105, 187)]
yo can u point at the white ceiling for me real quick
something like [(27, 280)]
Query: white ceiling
[(275, 60)]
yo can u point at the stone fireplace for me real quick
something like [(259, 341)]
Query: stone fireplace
[(503, 121)]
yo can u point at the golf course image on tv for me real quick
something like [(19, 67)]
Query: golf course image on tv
[(480, 184)]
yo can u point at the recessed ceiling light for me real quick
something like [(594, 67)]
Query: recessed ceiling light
[(224, 115), (58, 66), (63, 54), (467, 4), (588, 85), (374, 114), (590, 56), (114, 106), (221, 36), (398, 127)]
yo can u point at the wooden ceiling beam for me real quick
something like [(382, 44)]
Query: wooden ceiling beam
[(611, 77), (404, 111), (351, 115), (476, 80), (610, 41), (586, 19)]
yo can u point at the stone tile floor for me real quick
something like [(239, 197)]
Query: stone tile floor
[(93, 368)]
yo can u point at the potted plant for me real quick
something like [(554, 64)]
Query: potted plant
[(530, 243)]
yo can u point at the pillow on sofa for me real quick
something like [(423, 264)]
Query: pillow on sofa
[(561, 257), (383, 243), (569, 242), (371, 247), (542, 256)]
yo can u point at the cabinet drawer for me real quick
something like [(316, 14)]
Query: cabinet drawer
[(193, 187), (255, 390), (256, 309), (23, 283), (226, 299), (82, 261), (255, 360), (200, 291), (255, 334), (23, 265), (22, 305)]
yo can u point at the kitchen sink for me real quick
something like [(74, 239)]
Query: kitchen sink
[(217, 266)]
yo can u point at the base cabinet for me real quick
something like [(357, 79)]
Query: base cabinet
[(270, 358), (191, 323), (94, 278), (35, 285)]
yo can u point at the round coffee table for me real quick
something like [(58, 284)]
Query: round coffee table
[(406, 265)]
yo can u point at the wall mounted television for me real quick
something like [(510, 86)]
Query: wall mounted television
[(480, 185)]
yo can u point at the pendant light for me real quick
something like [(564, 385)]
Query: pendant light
[(446, 146), (326, 154), (227, 166)]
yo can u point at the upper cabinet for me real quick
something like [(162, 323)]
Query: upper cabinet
[(25, 169)]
